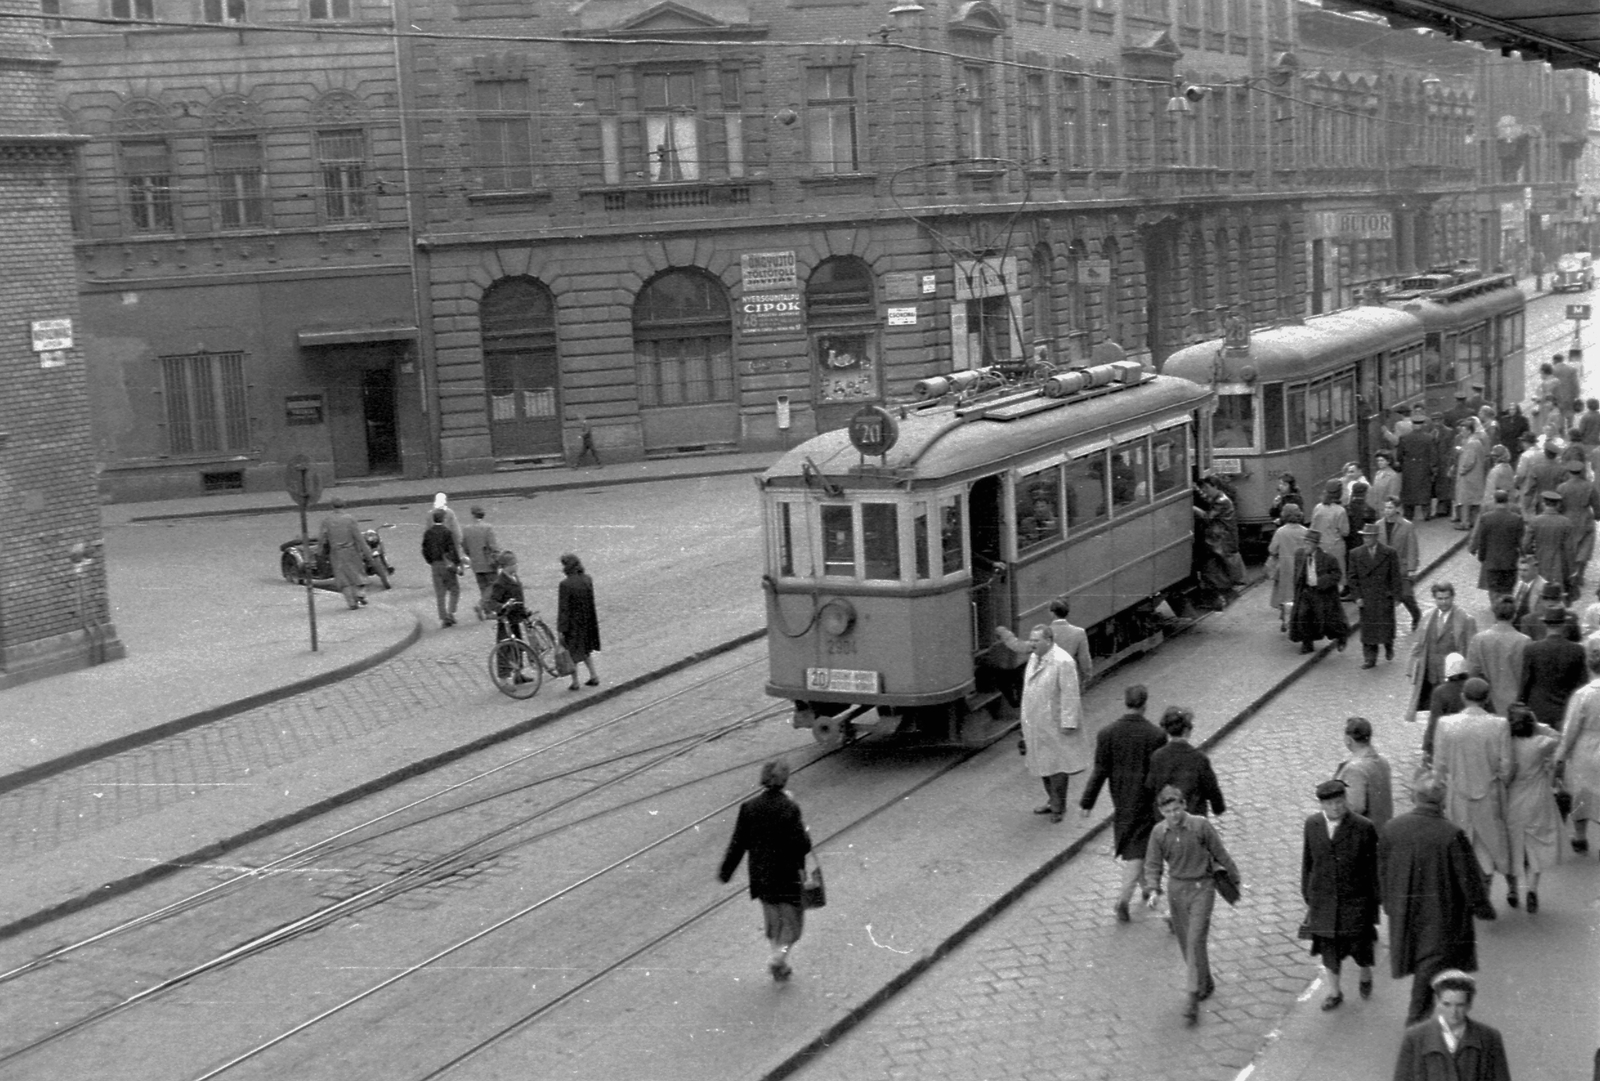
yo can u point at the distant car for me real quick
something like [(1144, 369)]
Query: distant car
[(1575, 271)]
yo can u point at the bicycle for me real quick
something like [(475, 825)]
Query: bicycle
[(524, 653)]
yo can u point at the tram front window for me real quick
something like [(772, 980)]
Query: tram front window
[(1168, 457), (880, 539), (952, 533), (838, 542), (919, 540), (1233, 425)]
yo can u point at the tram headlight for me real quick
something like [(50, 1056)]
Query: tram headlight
[(836, 618)]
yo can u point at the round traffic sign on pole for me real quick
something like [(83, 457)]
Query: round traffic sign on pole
[(302, 481)]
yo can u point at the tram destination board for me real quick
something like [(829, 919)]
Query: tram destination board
[(843, 680)]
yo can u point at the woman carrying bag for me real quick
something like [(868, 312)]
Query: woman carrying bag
[(770, 829)]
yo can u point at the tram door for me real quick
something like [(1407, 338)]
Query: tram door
[(1369, 409), (991, 587)]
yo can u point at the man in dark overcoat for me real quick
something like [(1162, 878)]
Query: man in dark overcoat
[(1497, 542), (770, 829), (1552, 668), (1375, 581), (1339, 884), (1122, 753), (1431, 889), (1549, 541), (1580, 502), (1472, 1051), (1418, 458), (1398, 532), (1444, 466), (1317, 611)]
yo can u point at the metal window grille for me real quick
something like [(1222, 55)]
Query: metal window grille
[(237, 180), (341, 159), (207, 409), (147, 181)]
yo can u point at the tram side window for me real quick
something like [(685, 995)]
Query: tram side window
[(838, 541), (1130, 472), (1168, 454), (1233, 425), (1086, 491), (1405, 374), (1511, 331), (1344, 400), (1472, 353), (785, 540), (880, 539), (1294, 407), (1434, 359), (1277, 436), (1038, 508), (1319, 409), (919, 540)]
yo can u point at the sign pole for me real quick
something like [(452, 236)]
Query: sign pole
[(305, 553)]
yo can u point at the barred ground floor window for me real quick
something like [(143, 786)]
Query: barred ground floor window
[(207, 407)]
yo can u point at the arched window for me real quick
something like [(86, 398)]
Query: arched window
[(1042, 300), (842, 316), (683, 340), (521, 373), (1200, 265)]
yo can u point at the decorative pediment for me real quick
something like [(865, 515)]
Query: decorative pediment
[(1158, 46), (664, 19), (978, 17)]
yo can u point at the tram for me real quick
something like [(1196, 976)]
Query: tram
[(896, 547), (1305, 398)]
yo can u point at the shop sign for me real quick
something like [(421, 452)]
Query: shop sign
[(984, 278), (1095, 273), (902, 317), (302, 409), (900, 285), (769, 272), (770, 313), (1353, 225)]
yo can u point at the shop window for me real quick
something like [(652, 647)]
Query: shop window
[(683, 340), (1038, 507), (842, 315), (520, 369), (1087, 503), (207, 408)]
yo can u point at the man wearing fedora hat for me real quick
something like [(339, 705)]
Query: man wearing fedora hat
[(1552, 669), (1450, 1043), (1317, 612), (1339, 884), (1375, 582), (1549, 540)]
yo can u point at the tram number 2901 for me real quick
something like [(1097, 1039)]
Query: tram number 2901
[(847, 680), (841, 647)]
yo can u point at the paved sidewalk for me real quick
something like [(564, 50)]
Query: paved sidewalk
[(203, 644)]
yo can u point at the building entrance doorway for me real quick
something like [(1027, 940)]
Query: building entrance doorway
[(363, 421)]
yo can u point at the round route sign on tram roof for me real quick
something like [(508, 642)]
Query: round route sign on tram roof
[(873, 430)]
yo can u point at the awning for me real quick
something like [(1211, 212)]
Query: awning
[(1565, 35), (311, 337)]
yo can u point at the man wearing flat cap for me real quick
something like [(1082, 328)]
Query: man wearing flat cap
[(1375, 581), (1339, 884), (1549, 540), (1417, 460), (1451, 1044), (1431, 892), (1472, 756), (1317, 612)]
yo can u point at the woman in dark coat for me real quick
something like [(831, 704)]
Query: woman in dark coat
[(576, 622), (1513, 425), (1317, 610), (769, 828)]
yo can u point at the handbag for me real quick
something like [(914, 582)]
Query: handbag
[(1227, 885), (563, 661), (813, 894)]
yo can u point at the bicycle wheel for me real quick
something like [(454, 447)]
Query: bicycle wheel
[(544, 644), (515, 668)]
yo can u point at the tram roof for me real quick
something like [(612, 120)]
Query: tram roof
[(1463, 305), (1297, 350), (944, 443)]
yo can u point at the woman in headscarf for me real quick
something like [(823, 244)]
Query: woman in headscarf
[(1288, 493), (1501, 477), (441, 502), (1286, 541), (577, 624)]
